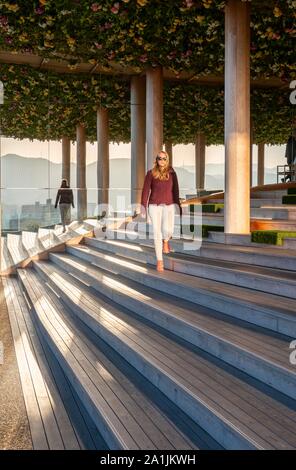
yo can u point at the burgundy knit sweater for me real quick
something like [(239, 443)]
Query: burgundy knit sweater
[(158, 192)]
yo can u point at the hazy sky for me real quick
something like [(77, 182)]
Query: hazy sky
[(183, 154)]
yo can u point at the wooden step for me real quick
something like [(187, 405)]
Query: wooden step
[(16, 249), (284, 213), (5, 257), (141, 231), (245, 240), (32, 243), (48, 238), (255, 351), (234, 412), (273, 224), (268, 257), (273, 193), (56, 420), (124, 422), (267, 310), (278, 281)]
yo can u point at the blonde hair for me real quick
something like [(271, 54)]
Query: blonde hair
[(161, 173)]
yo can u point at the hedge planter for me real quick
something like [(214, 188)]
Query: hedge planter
[(205, 229), (211, 228), (271, 237), (289, 199), (212, 208), (206, 208)]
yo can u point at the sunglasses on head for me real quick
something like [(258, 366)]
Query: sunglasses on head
[(161, 158)]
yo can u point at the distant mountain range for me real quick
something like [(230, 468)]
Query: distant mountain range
[(214, 178), (29, 173)]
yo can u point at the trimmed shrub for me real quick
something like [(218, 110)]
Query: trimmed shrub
[(291, 191), (211, 228), (212, 208), (205, 229), (206, 207), (271, 237), (289, 199)]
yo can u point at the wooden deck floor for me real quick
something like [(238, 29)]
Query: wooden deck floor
[(266, 422), (56, 418), (14, 426)]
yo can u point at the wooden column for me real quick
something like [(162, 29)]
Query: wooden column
[(81, 172), (138, 137), (237, 117), (261, 155), (103, 156), (200, 160), (168, 146), (154, 113), (66, 158)]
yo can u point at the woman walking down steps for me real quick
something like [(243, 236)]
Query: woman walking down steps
[(160, 195), (65, 200)]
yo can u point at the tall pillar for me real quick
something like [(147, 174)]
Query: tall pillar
[(81, 172), (138, 137), (200, 160), (66, 158), (261, 152), (154, 113), (168, 146), (103, 156), (237, 117)]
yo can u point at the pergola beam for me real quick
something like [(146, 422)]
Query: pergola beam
[(63, 66)]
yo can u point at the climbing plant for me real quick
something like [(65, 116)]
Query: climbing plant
[(178, 34), (47, 105)]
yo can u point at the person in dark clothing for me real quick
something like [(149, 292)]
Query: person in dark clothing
[(65, 200), (161, 193), (290, 154)]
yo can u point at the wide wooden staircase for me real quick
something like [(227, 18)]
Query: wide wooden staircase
[(113, 355), (270, 208)]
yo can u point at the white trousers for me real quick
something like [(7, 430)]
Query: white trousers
[(162, 218)]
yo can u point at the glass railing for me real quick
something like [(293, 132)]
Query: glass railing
[(30, 223)]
